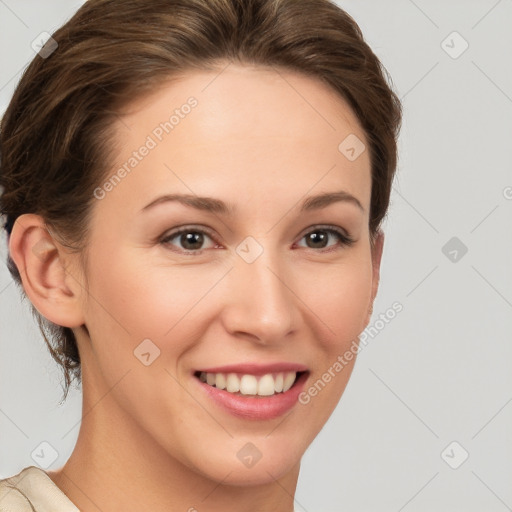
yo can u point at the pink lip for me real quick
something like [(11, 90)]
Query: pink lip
[(250, 407), (257, 369)]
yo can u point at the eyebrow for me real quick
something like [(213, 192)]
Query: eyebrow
[(217, 206)]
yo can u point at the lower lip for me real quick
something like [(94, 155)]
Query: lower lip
[(256, 408)]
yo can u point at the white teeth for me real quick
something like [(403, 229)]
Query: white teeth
[(265, 385), (248, 385), (278, 383), (220, 381), (232, 383), (289, 379)]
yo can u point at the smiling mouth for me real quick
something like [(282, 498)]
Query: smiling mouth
[(251, 385)]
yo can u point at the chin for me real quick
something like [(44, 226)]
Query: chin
[(261, 473), (248, 465)]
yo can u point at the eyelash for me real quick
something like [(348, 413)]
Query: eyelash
[(344, 240)]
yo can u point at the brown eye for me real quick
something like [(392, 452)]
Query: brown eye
[(188, 239), (319, 238), (192, 241)]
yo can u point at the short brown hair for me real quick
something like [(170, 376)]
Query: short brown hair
[(55, 139)]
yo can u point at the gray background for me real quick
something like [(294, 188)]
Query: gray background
[(440, 371)]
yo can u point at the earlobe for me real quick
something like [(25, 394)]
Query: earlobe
[(41, 261)]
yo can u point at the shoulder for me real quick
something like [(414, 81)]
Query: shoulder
[(12, 498), (32, 490)]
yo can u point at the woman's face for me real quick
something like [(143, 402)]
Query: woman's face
[(258, 283)]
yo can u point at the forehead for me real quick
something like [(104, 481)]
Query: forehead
[(258, 128), (248, 100)]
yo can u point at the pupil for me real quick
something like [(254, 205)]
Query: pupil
[(318, 237), (192, 238)]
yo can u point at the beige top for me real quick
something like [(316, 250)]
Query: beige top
[(32, 490)]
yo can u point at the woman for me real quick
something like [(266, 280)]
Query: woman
[(193, 194)]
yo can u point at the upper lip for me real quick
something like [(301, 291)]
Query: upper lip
[(257, 369)]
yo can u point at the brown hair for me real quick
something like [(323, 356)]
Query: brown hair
[(55, 142)]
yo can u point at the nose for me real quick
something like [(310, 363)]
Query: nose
[(260, 304)]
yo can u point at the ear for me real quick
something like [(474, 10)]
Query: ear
[(43, 265), (376, 259)]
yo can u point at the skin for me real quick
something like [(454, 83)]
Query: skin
[(262, 141)]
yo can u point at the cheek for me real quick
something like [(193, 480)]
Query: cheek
[(339, 295), (136, 298)]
